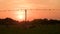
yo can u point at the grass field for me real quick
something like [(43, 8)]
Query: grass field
[(43, 29)]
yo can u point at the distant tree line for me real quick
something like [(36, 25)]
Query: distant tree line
[(37, 21), (33, 23), (46, 21)]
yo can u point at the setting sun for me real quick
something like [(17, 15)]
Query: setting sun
[(20, 15)]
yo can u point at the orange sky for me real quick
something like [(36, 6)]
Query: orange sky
[(14, 4), (30, 4)]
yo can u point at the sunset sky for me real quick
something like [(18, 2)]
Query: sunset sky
[(16, 5)]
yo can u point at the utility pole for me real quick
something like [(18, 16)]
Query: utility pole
[(25, 15)]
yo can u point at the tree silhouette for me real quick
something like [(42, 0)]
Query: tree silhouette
[(29, 24), (8, 21)]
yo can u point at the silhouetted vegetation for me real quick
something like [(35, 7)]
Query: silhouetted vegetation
[(35, 22), (39, 25), (46, 21)]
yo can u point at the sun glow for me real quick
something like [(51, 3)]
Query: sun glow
[(20, 15)]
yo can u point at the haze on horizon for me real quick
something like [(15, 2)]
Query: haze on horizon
[(30, 4)]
